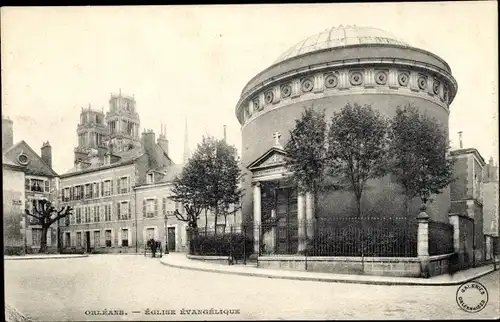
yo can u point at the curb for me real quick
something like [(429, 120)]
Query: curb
[(43, 257), (331, 280)]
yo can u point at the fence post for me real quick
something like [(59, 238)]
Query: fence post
[(230, 245), (244, 244), (423, 241)]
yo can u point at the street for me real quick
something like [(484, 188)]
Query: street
[(80, 288)]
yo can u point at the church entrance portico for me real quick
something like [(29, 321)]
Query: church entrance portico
[(279, 211)]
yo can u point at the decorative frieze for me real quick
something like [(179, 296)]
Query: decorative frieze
[(324, 82)]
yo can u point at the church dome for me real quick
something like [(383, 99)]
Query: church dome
[(339, 37)]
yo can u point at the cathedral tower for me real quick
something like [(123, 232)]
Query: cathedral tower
[(92, 133), (123, 123)]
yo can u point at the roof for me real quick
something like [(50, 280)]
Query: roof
[(467, 151), (170, 174), (10, 164), (339, 37), (35, 164)]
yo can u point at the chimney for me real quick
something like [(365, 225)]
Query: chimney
[(225, 133), (148, 144), (162, 139), (460, 139), (7, 133), (47, 153)]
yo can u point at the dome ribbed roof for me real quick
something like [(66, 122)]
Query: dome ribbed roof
[(339, 37)]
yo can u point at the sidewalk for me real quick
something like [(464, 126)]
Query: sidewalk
[(48, 256), (179, 260)]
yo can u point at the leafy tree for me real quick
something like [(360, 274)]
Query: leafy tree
[(419, 146), (188, 191), (357, 149), (46, 215), (306, 151), (209, 182)]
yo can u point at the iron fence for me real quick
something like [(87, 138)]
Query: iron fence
[(440, 238), (343, 236)]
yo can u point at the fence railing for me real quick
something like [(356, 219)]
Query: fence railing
[(347, 236), (440, 238)]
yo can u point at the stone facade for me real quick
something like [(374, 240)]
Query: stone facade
[(382, 74), (40, 182), (13, 204)]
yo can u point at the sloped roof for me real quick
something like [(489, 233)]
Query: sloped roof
[(36, 165)]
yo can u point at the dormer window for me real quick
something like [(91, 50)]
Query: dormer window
[(107, 159), (150, 178)]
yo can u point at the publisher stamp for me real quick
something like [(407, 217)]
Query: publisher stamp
[(472, 297)]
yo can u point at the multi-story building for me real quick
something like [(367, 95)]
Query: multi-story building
[(466, 200), (40, 183), (104, 187)]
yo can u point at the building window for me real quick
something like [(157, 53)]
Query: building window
[(78, 192), (107, 212), (78, 239), (97, 214), (96, 190), (97, 238), (150, 208), (78, 212), (36, 185), (47, 186), (106, 188), (150, 178), (108, 238), (67, 240), (36, 236), (88, 191), (27, 184), (66, 194), (123, 185), (124, 237), (87, 214), (123, 210)]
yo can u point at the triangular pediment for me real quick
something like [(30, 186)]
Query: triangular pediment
[(24, 156), (274, 157)]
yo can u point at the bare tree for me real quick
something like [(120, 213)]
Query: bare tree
[(46, 215)]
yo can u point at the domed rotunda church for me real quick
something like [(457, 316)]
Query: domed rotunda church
[(345, 64)]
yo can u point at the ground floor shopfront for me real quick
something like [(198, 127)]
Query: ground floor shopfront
[(125, 236)]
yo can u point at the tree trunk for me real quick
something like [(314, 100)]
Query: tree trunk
[(43, 240), (206, 221), (362, 235), (216, 215)]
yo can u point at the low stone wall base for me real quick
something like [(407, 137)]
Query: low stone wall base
[(211, 259), (380, 266)]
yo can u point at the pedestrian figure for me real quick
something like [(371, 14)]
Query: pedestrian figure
[(152, 243)]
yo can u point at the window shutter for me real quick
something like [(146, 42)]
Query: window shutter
[(97, 190), (118, 211), (113, 237), (102, 188), (71, 193), (118, 191), (156, 207), (129, 237), (91, 190), (91, 214), (129, 211), (144, 208), (111, 186), (128, 184)]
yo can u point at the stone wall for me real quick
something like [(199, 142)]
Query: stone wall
[(382, 266)]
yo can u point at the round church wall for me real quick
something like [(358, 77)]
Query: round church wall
[(383, 75)]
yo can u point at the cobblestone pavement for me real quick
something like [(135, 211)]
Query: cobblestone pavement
[(67, 289)]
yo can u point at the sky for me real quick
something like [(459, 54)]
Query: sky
[(192, 62)]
